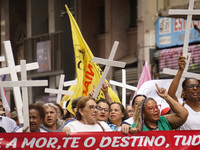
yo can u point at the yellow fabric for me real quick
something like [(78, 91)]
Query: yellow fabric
[(88, 73)]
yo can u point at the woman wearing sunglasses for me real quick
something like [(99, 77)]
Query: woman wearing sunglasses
[(190, 94), (147, 116)]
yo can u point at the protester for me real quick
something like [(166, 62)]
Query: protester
[(36, 118), (60, 110), (52, 122), (147, 116), (117, 115), (68, 115), (135, 101), (129, 110), (86, 118), (103, 109), (191, 95), (74, 109), (14, 116)]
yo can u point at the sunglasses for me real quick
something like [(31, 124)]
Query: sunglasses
[(191, 86)]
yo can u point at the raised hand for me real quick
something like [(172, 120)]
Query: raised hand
[(161, 92), (104, 87), (181, 62), (92, 92)]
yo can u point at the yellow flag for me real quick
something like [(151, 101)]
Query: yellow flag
[(88, 73)]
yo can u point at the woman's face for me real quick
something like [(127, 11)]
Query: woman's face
[(151, 111), (138, 99), (35, 120), (59, 112), (115, 113), (102, 111), (192, 90), (129, 111), (89, 112)]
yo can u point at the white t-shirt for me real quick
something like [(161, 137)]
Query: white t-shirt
[(193, 120), (77, 126), (21, 130)]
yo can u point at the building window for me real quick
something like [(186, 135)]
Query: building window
[(133, 13)]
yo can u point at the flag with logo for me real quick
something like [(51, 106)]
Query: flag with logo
[(88, 73)]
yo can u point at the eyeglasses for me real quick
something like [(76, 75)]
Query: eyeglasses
[(191, 86), (152, 108), (101, 109), (93, 107)]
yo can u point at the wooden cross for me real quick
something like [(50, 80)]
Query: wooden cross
[(60, 90), (108, 62), (24, 84), (2, 58), (12, 70), (189, 14), (124, 86)]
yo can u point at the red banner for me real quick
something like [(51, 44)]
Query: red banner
[(172, 140)]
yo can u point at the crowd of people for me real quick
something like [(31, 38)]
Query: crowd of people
[(89, 115)]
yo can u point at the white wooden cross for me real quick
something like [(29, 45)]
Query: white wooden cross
[(189, 12), (2, 58), (60, 90), (124, 86), (108, 62), (12, 70), (24, 84)]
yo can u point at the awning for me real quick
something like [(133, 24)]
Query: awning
[(164, 12)]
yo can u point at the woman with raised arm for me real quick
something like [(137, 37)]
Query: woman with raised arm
[(190, 94), (147, 116)]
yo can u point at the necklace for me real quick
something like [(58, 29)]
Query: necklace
[(150, 128)]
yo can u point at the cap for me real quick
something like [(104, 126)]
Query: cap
[(165, 110), (13, 114)]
